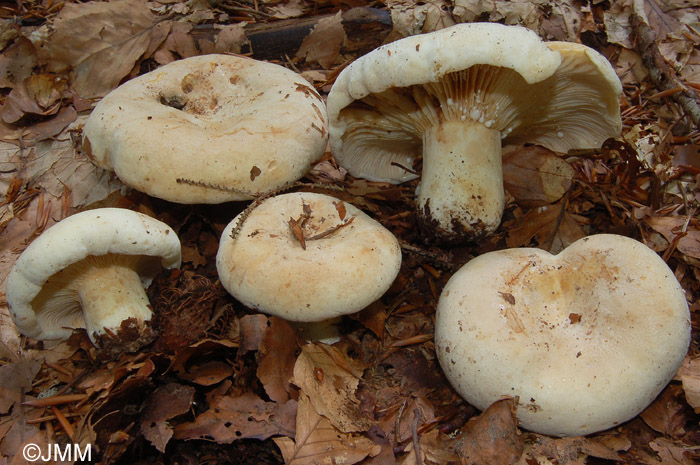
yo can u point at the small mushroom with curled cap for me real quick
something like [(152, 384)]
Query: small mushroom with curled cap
[(586, 339), (89, 271), (451, 98), (307, 258)]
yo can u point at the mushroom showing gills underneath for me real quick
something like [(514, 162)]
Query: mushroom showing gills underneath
[(89, 271), (209, 129), (586, 339), (453, 97), (307, 257)]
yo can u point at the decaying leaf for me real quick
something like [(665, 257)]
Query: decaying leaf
[(37, 95), (166, 402), (317, 442), (667, 413), (672, 453), (552, 227), (565, 451), (492, 437), (536, 176), (689, 375), (411, 18), (246, 416), (16, 380), (100, 41), (333, 394), (17, 61), (323, 44), (684, 232)]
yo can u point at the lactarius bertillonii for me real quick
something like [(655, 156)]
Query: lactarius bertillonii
[(89, 271), (451, 98), (209, 129), (586, 339)]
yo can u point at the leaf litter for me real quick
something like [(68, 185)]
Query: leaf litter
[(224, 385)]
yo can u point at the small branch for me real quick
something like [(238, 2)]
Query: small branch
[(661, 74), (330, 231)]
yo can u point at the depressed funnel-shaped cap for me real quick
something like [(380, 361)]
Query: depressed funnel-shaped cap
[(209, 129)]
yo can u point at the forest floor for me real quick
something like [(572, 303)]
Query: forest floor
[(222, 384)]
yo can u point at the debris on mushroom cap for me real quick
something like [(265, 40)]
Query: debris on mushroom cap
[(453, 97), (586, 339), (89, 271), (209, 129), (307, 257)]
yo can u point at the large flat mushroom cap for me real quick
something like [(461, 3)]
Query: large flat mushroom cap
[(266, 268), (150, 244), (586, 339), (227, 127)]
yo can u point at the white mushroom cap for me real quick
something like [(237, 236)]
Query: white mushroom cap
[(89, 271), (453, 97), (266, 268), (586, 339), (244, 127)]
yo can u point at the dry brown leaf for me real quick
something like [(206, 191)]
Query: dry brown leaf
[(317, 442), (58, 169), (179, 43), (16, 379), (209, 373), (47, 129), (275, 342), (230, 39), (689, 375), (667, 414), (492, 437), (672, 453), (553, 228), (565, 451), (672, 227), (330, 380), (16, 62), (165, 403), (410, 17), (323, 44), (245, 416), (100, 41), (520, 12), (38, 95), (277, 355), (536, 176)]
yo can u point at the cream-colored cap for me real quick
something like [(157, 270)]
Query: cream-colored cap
[(48, 285), (188, 131), (351, 263), (585, 339)]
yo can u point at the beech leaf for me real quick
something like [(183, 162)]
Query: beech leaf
[(317, 442)]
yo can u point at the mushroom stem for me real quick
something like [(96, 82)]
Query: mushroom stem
[(110, 295), (460, 195)]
